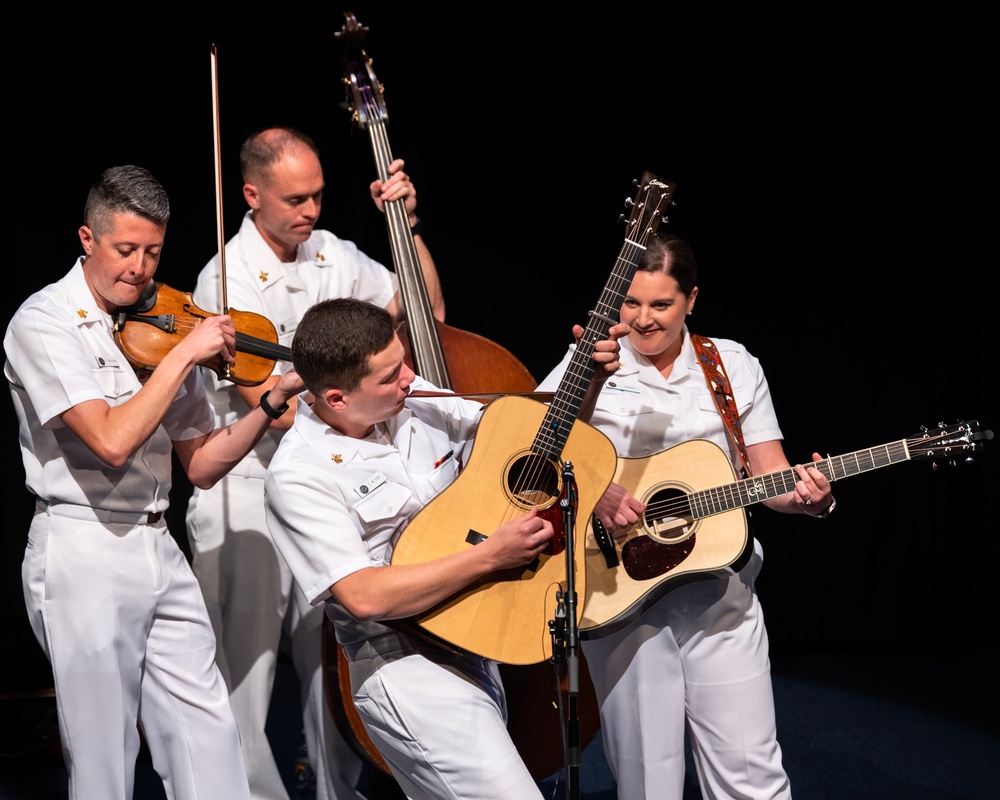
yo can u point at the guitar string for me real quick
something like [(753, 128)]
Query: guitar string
[(705, 502)]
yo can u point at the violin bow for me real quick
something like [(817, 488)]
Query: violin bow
[(219, 223)]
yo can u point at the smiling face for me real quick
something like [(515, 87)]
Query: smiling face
[(286, 202), (655, 307), (122, 260)]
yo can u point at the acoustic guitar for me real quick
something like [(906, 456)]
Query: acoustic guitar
[(516, 464), (694, 522)]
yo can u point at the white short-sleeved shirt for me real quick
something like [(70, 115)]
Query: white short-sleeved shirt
[(257, 281), (643, 413), (336, 504), (61, 351)]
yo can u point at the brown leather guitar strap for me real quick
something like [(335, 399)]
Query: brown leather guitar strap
[(718, 383)]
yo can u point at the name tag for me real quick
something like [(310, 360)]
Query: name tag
[(618, 386), (108, 361), (369, 485)]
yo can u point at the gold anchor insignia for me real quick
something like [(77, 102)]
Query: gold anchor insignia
[(337, 458), (262, 277), (320, 257), (81, 313)]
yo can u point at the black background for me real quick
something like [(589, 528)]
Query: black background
[(834, 174)]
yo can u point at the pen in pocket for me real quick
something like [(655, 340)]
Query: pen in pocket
[(443, 458)]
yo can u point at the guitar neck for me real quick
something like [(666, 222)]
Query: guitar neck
[(647, 209), (568, 398), (753, 490)]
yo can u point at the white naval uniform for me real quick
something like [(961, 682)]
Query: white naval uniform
[(336, 505), (698, 656), (246, 584), (111, 598)]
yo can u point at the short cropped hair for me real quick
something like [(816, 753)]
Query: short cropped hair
[(335, 340), (264, 149), (125, 190)]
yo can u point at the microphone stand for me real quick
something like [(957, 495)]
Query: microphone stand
[(565, 637)]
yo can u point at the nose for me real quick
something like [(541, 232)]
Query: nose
[(138, 262), (406, 376), (642, 318), (310, 209)]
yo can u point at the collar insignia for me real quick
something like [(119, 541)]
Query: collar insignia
[(81, 313), (262, 277), (337, 458)]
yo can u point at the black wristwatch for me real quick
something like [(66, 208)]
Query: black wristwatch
[(268, 409)]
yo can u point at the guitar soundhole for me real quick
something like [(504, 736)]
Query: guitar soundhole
[(667, 518), (534, 482)]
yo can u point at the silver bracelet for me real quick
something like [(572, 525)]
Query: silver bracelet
[(825, 514)]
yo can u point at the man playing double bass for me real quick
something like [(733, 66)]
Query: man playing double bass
[(278, 265), (109, 594)]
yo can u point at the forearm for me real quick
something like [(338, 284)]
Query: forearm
[(431, 280), (114, 433), (395, 592), (251, 396)]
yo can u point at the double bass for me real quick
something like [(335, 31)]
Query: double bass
[(469, 364)]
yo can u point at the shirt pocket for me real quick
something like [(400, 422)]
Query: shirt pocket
[(285, 328), (623, 401), (114, 384), (441, 477), (385, 503)]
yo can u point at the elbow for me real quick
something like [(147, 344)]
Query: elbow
[(364, 611), (364, 607), (114, 458)]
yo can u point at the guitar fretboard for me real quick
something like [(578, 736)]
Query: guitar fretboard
[(763, 487), (654, 195)]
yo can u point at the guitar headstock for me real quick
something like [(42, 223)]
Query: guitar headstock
[(652, 197), (949, 442), (364, 92)]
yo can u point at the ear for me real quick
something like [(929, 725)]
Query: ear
[(335, 400), (87, 239), (691, 298), (251, 195)]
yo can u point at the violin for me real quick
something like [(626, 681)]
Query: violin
[(162, 316)]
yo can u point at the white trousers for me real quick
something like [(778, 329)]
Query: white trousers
[(696, 662), (120, 616), (247, 587), (440, 722)]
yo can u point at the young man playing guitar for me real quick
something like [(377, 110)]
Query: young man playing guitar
[(357, 465)]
